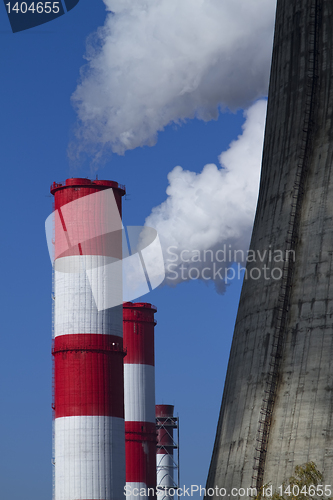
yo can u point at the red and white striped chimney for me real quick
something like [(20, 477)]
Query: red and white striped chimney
[(88, 346), (139, 379), (165, 461)]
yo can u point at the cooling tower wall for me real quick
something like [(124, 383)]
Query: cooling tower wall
[(278, 397)]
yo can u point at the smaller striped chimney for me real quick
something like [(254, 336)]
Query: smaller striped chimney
[(139, 392), (166, 463)]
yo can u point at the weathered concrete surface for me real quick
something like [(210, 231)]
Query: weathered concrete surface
[(302, 427)]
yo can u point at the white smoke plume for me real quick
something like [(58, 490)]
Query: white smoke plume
[(155, 62), (209, 213)]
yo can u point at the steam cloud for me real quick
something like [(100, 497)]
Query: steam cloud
[(160, 61), (212, 210)]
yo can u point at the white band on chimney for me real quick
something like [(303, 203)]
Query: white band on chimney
[(98, 437), (139, 393)]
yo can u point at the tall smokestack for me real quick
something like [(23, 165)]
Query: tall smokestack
[(88, 346), (277, 403), (139, 379), (167, 464)]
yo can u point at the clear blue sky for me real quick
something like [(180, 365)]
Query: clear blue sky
[(39, 72)]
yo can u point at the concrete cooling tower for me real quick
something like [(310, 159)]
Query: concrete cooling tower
[(277, 403)]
